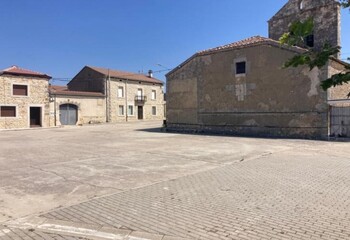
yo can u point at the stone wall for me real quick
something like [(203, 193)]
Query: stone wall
[(182, 104), (130, 91), (266, 101), (338, 96), (88, 80), (91, 110), (38, 96), (326, 14)]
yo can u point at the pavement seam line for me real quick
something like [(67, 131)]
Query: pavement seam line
[(69, 180)]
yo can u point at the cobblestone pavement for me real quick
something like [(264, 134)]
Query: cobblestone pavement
[(305, 196), (207, 187)]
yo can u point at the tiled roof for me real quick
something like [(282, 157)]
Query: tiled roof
[(252, 41), (15, 70), (63, 90), (126, 75)]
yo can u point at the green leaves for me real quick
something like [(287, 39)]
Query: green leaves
[(321, 58), (336, 80), (313, 59), (298, 60), (298, 31), (345, 3)]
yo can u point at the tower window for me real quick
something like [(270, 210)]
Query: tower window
[(309, 41)]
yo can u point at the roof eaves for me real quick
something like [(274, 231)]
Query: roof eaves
[(182, 64), (340, 61), (155, 81), (26, 74), (73, 93)]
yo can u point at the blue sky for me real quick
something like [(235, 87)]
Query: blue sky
[(60, 37)]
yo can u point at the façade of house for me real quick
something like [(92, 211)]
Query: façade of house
[(94, 95), (241, 88), (24, 98)]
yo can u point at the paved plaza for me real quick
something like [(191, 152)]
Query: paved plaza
[(135, 182)]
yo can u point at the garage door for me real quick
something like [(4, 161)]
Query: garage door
[(68, 114), (340, 121)]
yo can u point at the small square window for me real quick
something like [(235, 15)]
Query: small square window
[(7, 111), (130, 110), (121, 110), (120, 92), (154, 111), (240, 67), (19, 90)]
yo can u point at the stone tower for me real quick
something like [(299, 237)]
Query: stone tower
[(326, 15)]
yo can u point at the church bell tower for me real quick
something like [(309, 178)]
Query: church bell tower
[(326, 16)]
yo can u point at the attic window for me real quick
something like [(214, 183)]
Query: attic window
[(240, 67)]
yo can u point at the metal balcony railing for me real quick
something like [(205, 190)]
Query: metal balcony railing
[(140, 99)]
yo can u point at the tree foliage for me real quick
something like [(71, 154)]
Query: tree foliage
[(345, 3), (298, 32)]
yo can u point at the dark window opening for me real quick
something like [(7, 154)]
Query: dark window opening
[(20, 90), (240, 67), (7, 111), (309, 41)]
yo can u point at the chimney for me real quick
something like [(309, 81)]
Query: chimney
[(150, 74)]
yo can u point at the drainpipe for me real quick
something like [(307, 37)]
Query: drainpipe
[(106, 99), (109, 96), (55, 111), (126, 100)]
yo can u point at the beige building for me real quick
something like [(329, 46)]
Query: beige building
[(129, 96), (76, 107), (241, 88), (24, 99)]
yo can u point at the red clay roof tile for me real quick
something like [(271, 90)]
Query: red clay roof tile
[(244, 43), (63, 90), (15, 70), (126, 75)]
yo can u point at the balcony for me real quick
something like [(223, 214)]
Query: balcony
[(140, 99)]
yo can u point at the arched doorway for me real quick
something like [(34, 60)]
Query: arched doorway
[(68, 114)]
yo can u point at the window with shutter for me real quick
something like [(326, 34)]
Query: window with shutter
[(19, 90), (7, 111)]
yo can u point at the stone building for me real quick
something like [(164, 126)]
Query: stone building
[(129, 96), (24, 99), (76, 107), (241, 88)]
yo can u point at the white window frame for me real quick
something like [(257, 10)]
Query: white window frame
[(41, 113), (133, 110), (154, 114), (142, 93), (21, 84), (155, 95), (119, 110), (123, 92), (9, 105)]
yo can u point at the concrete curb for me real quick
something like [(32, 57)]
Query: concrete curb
[(93, 232)]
